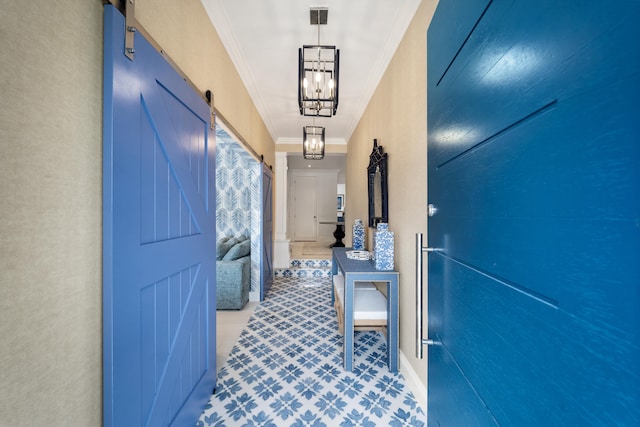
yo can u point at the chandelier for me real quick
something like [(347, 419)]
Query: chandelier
[(318, 69), (313, 142)]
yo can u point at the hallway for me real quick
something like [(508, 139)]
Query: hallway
[(286, 368)]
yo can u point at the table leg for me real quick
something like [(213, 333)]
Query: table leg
[(348, 324), (334, 271), (392, 326)]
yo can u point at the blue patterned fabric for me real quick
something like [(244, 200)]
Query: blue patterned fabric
[(286, 369), (238, 198)]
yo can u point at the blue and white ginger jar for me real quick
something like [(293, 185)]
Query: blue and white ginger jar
[(358, 235), (383, 247)]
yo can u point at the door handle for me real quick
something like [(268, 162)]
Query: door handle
[(419, 268)]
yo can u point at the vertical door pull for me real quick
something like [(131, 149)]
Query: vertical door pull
[(419, 340), (419, 251)]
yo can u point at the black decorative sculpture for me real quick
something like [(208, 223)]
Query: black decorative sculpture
[(378, 186)]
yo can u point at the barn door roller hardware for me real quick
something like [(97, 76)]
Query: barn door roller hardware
[(128, 9), (209, 96), (130, 28)]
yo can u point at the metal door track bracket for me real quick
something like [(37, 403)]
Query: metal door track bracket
[(130, 28), (209, 96)]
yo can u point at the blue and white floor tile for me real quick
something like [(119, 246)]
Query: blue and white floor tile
[(303, 268), (286, 369)]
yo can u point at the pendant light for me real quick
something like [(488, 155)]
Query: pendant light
[(318, 70), (313, 142)]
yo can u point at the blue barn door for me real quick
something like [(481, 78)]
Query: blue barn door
[(266, 231), (159, 239), (534, 169)]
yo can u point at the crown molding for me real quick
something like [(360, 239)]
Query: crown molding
[(328, 141)]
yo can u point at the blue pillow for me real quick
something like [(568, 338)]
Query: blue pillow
[(223, 245), (222, 240), (238, 251)]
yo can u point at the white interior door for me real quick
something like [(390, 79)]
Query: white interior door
[(305, 207)]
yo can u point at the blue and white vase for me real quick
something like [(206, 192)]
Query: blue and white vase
[(383, 247), (358, 235)]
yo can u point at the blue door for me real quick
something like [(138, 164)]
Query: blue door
[(266, 261), (159, 239), (534, 169)]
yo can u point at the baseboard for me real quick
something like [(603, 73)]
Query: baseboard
[(281, 253), (414, 382)]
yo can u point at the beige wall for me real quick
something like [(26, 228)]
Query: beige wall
[(184, 31), (50, 215), (396, 116), (51, 191)]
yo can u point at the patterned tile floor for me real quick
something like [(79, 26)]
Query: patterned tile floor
[(286, 369)]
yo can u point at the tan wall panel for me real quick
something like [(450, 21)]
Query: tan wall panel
[(50, 215), (396, 115)]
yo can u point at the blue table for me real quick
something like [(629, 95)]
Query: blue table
[(364, 271)]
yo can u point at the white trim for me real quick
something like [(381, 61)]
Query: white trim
[(281, 243), (281, 253), (280, 185), (254, 296), (222, 26), (329, 141)]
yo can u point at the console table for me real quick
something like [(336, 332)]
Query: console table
[(365, 271)]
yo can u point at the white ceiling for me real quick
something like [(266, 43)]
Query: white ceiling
[(262, 38)]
